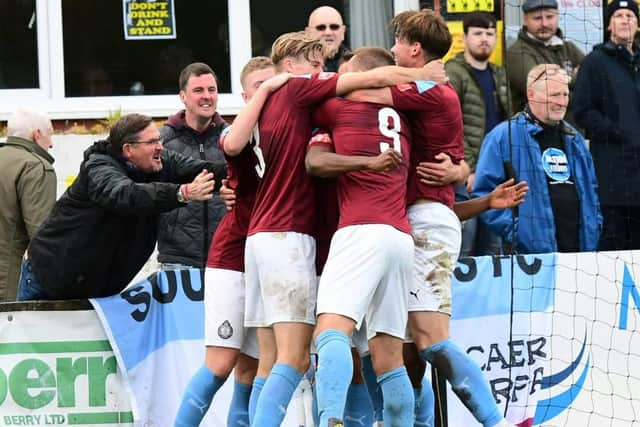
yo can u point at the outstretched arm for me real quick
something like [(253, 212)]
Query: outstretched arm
[(389, 76), (504, 196), (324, 163), (241, 131)]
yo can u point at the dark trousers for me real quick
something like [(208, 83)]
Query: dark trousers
[(621, 228)]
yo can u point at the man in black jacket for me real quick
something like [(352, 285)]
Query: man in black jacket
[(103, 228), (184, 234), (607, 95)]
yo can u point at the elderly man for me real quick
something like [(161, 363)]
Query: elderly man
[(607, 98), (562, 211), (27, 191), (326, 23), (103, 228), (540, 41)]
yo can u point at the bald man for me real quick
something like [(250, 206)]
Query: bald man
[(326, 23)]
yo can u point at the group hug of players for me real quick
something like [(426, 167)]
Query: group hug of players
[(334, 240)]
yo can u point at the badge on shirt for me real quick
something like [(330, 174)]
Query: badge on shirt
[(555, 164)]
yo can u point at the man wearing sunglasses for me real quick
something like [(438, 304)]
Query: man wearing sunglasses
[(103, 228), (325, 22)]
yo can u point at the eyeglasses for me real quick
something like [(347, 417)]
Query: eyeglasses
[(148, 142), (332, 27)]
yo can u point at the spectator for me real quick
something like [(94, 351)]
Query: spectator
[(184, 234), (103, 228), (539, 41), (27, 191), (561, 212), (326, 23), (482, 88), (606, 105)]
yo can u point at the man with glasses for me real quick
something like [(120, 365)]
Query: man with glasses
[(325, 22), (103, 228), (607, 98), (561, 212), (185, 234)]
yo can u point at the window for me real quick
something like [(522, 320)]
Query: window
[(366, 21), (71, 58), (99, 61), (18, 45)]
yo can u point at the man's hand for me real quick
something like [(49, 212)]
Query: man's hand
[(201, 188), (508, 194), (434, 71), (471, 180), (227, 195), (440, 173), (386, 161), (274, 83)]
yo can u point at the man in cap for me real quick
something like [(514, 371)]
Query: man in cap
[(606, 106), (540, 41)]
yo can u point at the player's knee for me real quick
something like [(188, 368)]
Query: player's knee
[(221, 361), (245, 369)]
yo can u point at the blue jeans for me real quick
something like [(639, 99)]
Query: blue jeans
[(29, 287)]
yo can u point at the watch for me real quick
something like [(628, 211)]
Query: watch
[(180, 196)]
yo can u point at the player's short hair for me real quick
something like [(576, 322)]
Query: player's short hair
[(478, 19), (425, 27), (254, 64), (370, 57), (196, 69), (295, 45), (24, 121), (543, 72), (126, 129)]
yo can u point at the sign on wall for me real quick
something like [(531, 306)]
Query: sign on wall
[(149, 19), (57, 368)]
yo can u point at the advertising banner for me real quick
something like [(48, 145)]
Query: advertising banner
[(57, 368)]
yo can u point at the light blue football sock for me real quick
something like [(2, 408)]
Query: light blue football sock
[(239, 408), (258, 385), (358, 412), (425, 411), (371, 380), (275, 396), (466, 379), (397, 397), (335, 369), (197, 397)]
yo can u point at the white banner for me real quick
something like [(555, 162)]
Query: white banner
[(57, 368), (559, 348)]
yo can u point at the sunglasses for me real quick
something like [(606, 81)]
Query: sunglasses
[(332, 27)]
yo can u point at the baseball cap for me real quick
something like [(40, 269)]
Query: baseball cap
[(530, 5)]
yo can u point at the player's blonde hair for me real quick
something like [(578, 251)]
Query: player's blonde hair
[(254, 64), (295, 45)]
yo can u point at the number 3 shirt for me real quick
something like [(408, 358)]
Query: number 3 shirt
[(365, 129), (436, 123), (285, 200)]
